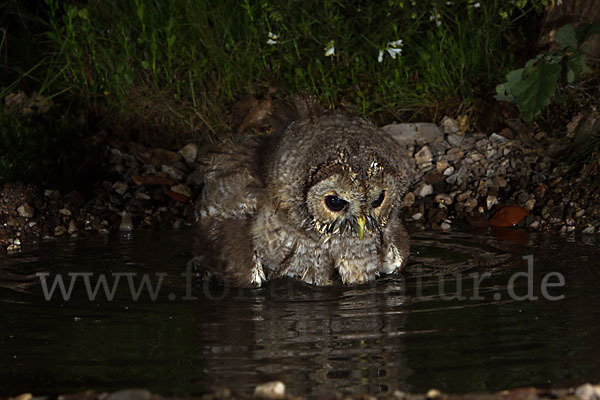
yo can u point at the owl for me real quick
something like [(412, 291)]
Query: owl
[(318, 201)]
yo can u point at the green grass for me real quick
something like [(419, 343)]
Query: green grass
[(176, 68), (183, 64)]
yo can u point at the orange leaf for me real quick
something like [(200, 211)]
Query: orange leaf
[(509, 216)]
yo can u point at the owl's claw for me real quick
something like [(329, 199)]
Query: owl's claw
[(257, 275), (392, 261)]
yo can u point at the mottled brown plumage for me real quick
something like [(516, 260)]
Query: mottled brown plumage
[(317, 200)]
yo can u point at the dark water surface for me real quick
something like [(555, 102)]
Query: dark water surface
[(410, 333)]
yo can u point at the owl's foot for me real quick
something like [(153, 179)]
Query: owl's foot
[(257, 275), (393, 260)]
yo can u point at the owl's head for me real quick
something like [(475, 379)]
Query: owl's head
[(339, 175), (343, 200)]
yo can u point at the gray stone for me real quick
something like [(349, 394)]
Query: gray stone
[(173, 172), (419, 133), (450, 125), (120, 187)]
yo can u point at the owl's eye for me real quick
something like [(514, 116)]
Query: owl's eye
[(377, 202), (335, 204)]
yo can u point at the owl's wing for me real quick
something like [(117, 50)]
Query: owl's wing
[(232, 181), (232, 186)]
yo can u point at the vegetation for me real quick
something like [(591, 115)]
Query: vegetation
[(183, 63), (531, 87)]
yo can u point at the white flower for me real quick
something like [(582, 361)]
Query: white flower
[(437, 18), (394, 49), (330, 49), (272, 38)]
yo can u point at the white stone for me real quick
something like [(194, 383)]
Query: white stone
[(189, 152), (448, 171), (424, 156), (491, 201), (270, 390), (424, 190)]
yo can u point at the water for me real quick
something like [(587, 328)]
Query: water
[(409, 333)]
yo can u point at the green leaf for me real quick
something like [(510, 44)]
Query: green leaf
[(576, 66), (145, 64), (584, 31), (533, 92), (504, 90), (565, 37)]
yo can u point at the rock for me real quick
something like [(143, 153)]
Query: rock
[(130, 394), (529, 204), (590, 230), (446, 225), (424, 190), (417, 216), (423, 156), (442, 165), (182, 189), (449, 125), (72, 229), (409, 199), (172, 172), (152, 180), (491, 201), (65, 211), (126, 222), (535, 224), (420, 133), (120, 187), (455, 140), (189, 152), (448, 171), (270, 390), (443, 198), (433, 394), (588, 392), (497, 139), (24, 396), (60, 230), (25, 210)]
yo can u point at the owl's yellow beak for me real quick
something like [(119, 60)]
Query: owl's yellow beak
[(361, 226)]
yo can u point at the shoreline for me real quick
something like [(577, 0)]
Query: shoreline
[(463, 182)]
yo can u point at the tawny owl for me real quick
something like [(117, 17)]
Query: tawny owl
[(319, 200)]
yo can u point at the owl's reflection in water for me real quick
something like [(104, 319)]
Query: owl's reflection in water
[(316, 341), (316, 201)]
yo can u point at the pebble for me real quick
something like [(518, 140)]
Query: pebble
[(120, 187), (72, 229), (588, 392), (424, 190), (491, 201), (449, 125), (443, 198), (182, 189), (65, 211), (448, 171), (417, 216), (270, 390), (423, 156), (529, 204), (189, 152), (25, 211), (173, 173), (60, 230)]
